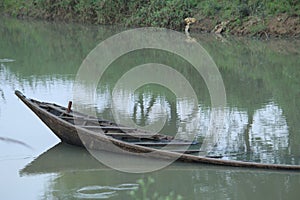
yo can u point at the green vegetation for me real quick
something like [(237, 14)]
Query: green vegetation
[(167, 13), (244, 8), (144, 192)]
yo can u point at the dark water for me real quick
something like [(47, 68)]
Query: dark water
[(262, 85)]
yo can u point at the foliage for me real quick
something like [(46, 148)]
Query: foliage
[(13, 7), (258, 28), (144, 192), (167, 13), (244, 8)]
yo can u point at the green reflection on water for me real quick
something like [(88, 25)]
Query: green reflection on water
[(48, 48), (263, 94), (75, 168)]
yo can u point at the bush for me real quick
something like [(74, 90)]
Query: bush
[(168, 13), (161, 13)]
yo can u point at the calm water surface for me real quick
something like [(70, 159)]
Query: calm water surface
[(262, 81)]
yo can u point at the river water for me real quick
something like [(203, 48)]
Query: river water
[(262, 84)]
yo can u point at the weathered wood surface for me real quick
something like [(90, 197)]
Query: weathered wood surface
[(80, 136), (173, 143)]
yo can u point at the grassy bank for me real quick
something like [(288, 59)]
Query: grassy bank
[(234, 14)]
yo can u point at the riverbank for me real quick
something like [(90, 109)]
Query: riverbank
[(243, 18), (281, 25)]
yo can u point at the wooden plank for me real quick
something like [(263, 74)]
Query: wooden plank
[(137, 135), (185, 151), (54, 107), (109, 128), (171, 143), (72, 115), (86, 119), (62, 110), (80, 118)]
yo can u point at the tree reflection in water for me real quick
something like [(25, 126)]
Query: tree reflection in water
[(74, 173)]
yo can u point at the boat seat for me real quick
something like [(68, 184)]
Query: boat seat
[(109, 128), (169, 143)]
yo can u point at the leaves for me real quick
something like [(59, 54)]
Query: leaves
[(167, 13), (144, 194)]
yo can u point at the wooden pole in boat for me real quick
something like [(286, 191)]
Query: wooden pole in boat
[(69, 107)]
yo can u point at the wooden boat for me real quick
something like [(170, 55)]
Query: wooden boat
[(86, 131)]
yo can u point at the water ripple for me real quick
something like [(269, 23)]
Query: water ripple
[(103, 192), (6, 60), (100, 195)]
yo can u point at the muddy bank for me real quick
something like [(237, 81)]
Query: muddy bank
[(281, 25)]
